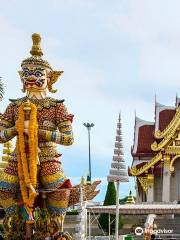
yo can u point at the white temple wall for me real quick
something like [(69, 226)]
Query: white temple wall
[(150, 194), (142, 196), (173, 195), (166, 184), (175, 182), (139, 195), (158, 180), (138, 198)]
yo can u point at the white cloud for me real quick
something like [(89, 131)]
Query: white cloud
[(153, 26)]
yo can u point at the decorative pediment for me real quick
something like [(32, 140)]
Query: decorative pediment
[(171, 148), (171, 127), (168, 134), (174, 147), (166, 145)]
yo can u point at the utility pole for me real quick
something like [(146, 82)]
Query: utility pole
[(89, 126)]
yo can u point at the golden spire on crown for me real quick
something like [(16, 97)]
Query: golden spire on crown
[(36, 53), (36, 48)]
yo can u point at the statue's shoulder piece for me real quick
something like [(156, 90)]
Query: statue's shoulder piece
[(18, 101), (54, 100), (40, 103), (50, 102)]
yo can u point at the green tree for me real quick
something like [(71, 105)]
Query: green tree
[(110, 199)]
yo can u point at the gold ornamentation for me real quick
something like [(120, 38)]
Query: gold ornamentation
[(47, 152), (171, 127), (160, 146), (144, 183), (48, 136), (53, 177), (5, 123), (36, 49), (171, 167), (54, 75), (7, 150), (21, 77), (59, 203), (36, 53), (4, 164), (7, 202), (150, 179), (173, 150), (136, 172), (8, 178), (166, 159), (168, 133)]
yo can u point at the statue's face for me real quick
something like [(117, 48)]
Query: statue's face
[(35, 78)]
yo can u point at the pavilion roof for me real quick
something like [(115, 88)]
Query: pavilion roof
[(138, 209)]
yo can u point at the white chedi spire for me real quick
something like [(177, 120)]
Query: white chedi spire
[(118, 170)]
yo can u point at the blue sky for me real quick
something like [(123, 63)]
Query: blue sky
[(116, 56)]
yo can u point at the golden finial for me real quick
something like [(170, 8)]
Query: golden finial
[(83, 181), (36, 48), (130, 198)]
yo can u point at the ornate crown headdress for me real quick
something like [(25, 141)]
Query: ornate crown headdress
[(36, 59)]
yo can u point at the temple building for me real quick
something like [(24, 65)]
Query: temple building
[(156, 156)]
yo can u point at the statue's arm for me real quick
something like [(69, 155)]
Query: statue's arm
[(64, 134), (7, 128)]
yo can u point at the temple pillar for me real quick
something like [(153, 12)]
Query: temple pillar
[(150, 190), (150, 194), (137, 193), (166, 180)]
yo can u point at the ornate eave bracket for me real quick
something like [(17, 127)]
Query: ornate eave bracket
[(136, 172), (162, 145), (146, 182)]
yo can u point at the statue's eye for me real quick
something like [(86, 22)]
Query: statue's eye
[(38, 74), (26, 74)]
